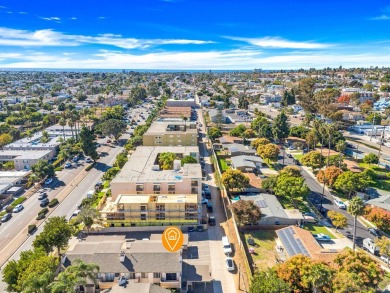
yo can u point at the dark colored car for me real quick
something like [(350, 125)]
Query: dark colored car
[(209, 208), (375, 232), (42, 195), (44, 202), (6, 217), (212, 221), (191, 229)]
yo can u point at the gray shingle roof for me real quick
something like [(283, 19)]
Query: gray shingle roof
[(269, 205), (245, 161)]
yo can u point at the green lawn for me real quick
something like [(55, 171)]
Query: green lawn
[(223, 164), (315, 229), (383, 184), (287, 204), (298, 156), (264, 256)]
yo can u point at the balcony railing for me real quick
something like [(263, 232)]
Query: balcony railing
[(170, 284)]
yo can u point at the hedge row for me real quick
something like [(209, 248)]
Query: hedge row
[(53, 202), (18, 201)]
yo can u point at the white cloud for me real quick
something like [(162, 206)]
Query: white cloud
[(47, 37), (381, 17), (73, 18), (277, 42), (53, 18), (22, 12), (232, 59), (3, 7), (102, 17)]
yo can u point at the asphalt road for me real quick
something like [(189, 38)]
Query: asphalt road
[(327, 202), (67, 206)]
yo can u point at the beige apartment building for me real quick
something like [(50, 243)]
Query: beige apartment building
[(151, 210), (140, 182), (163, 133)]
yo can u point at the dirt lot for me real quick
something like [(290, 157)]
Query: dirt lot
[(264, 255)]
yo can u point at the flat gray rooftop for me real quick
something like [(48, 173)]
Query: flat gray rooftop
[(160, 127)]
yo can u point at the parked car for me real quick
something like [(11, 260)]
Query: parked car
[(88, 160), (76, 158), (191, 229), (340, 204), (48, 181), (205, 201), (322, 237), (290, 156), (375, 232), (209, 208), (6, 217), (44, 202), (68, 165), (212, 221), (42, 195), (98, 185), (18, 208), (108, 140), (230, 264)]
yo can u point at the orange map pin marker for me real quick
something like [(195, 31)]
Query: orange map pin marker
[(172, 239)]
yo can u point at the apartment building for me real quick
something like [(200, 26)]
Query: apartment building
[(163, 133), (151, 210), (142, 188), (139, 261)]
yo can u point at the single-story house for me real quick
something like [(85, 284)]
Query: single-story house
[(236, 149), (294, 240), (272, 212), (246, 163), (381, 202)]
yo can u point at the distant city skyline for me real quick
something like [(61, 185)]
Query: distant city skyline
[(194, 35)]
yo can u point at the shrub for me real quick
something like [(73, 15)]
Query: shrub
[(58, 169), (44, 211), (31, 228), (371, 159), (18, 201), (40, 216), (53, 202), (9, 209)]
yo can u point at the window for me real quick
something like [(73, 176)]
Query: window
[(144, 275), (143, 208), (131, 275), (156, 275), (121, 206), (115, 216), (170, 276), (191, 216), (194, 183), (160, 207), (190, 207), (143, 217), (156, 188), (140, 188), (160, 216), (171, 189)]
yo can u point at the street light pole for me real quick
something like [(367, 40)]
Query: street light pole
[(372, 128)]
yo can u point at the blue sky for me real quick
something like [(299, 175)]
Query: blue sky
[(184, 34)]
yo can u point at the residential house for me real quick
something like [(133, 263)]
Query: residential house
[(246, 163), (236, 149)]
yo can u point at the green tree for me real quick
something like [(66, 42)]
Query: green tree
[(262, 127), (238, 130), (87, 143), (45, 137), (5, 138), (268, 152), (166, 160), (188, 160), (77, 274), (22, 275), (356, 272), (61, 107), (259, 141), (246, 212), (87, 216), (374, 118), (269, 183), (340, 147), (293, 188), (371, 159), (234, 179), (280, 128), (349, 182), (268, 282), (355, 208), (313, 159), (214, 133), (291, 171), (299, 131), (338, 219), (288, 98), (319, 277), (305, 94), (121, 160), (56, 234), (113, 127), (384, 247), (43, 169)]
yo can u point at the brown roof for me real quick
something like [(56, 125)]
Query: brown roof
[(254, 181), (326, 150), (352, 166), (176, 112), (296, 138)]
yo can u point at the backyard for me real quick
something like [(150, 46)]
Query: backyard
[(264, 255), (381, 182)]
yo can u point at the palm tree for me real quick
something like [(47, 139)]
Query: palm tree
[(340, 147), (62, 122), (79, 273), (39, 283), (355, 208)]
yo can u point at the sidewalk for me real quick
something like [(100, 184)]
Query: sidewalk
[(13, 246)]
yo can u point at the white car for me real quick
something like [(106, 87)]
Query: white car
[(340, 204), (205, 200), (18, 208), (230, 264), (48, 181), (88, 160), (385, 259)]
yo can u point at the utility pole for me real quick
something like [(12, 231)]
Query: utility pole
[(380, 144), (372, 128)]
